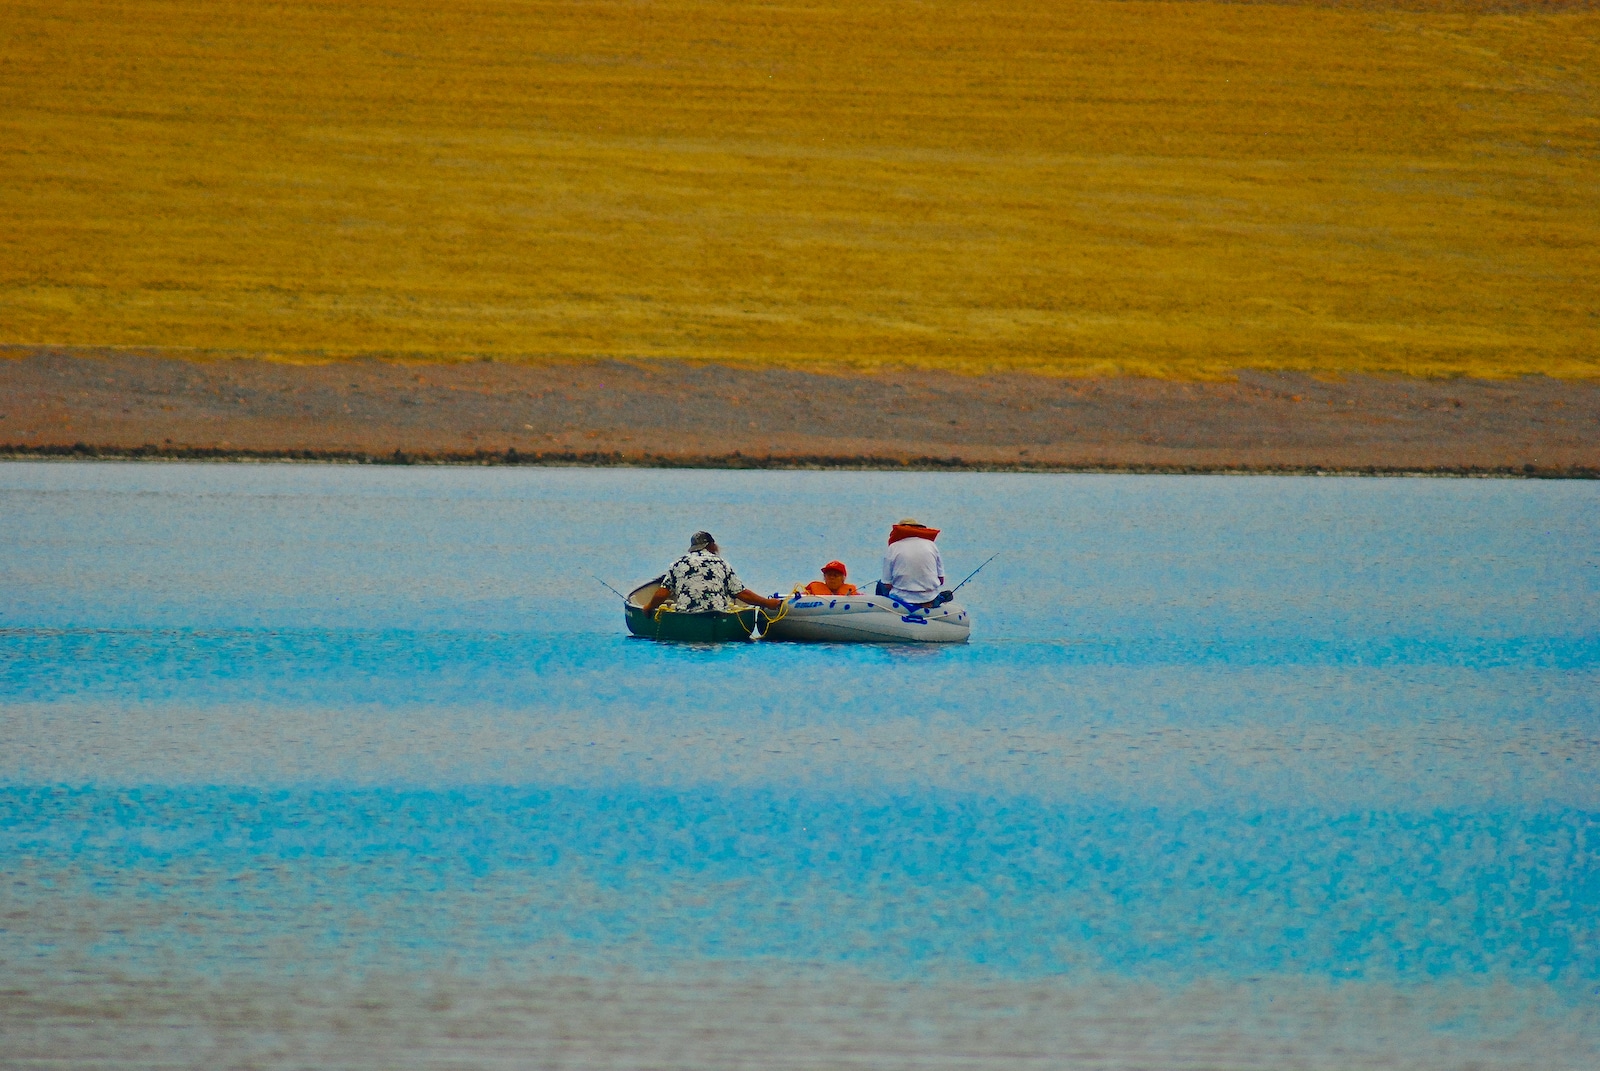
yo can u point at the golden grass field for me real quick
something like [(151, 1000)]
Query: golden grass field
[(1068, 186)]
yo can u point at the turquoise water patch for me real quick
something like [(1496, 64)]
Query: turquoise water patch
[(893, 885), (1232, 770)]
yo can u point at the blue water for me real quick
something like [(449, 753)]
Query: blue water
[(1324, 747)]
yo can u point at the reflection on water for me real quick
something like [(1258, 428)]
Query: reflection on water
[(310, 765), (746, 1018), (898, 883)]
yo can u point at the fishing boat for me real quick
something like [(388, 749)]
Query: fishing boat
[(866, 619), (803, 619), (664, 624)]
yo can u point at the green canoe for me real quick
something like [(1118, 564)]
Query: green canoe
[(685, 628)]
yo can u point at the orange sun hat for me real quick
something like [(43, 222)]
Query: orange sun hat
[(835, 567)]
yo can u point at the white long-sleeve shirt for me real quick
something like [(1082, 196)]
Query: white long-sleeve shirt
[(913, 569)]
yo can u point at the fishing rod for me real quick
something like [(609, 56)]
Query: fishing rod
[(974, 573), (624, 598)]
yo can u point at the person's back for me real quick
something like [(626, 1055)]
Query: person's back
[(702, 582), (913, 571)]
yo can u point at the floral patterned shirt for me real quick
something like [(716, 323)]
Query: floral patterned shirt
[(702, 581)]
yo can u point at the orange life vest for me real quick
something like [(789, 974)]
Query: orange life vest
[(911, 531), (820, 587)]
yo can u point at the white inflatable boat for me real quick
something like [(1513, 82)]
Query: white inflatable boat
[(866, 619)]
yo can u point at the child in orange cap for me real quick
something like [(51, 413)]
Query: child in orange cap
[(832, 582)]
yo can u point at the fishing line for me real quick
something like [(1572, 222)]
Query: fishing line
[(609, 588), (974, 573)]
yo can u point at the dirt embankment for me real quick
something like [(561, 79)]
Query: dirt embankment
[(675, 413)]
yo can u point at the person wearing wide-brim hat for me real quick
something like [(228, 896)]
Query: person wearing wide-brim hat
[(913, 571), (702, 581)]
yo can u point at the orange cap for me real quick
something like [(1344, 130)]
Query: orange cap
[(835, 567)]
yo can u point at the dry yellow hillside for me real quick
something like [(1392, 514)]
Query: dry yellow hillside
[(1069, 185)]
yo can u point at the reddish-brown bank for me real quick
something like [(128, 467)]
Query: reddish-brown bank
[(660, 412)]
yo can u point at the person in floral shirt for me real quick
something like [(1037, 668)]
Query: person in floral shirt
[(701, 582)]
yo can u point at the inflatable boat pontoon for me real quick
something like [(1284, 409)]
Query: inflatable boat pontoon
[(866, 619)]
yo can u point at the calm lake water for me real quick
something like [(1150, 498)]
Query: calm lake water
[(348, 766)]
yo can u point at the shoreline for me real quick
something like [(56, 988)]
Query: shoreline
[(661, 413), (516, 459)]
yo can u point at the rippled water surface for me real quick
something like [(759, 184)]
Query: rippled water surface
[(349, 766)]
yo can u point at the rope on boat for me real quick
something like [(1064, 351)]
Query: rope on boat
[(783, 612)]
